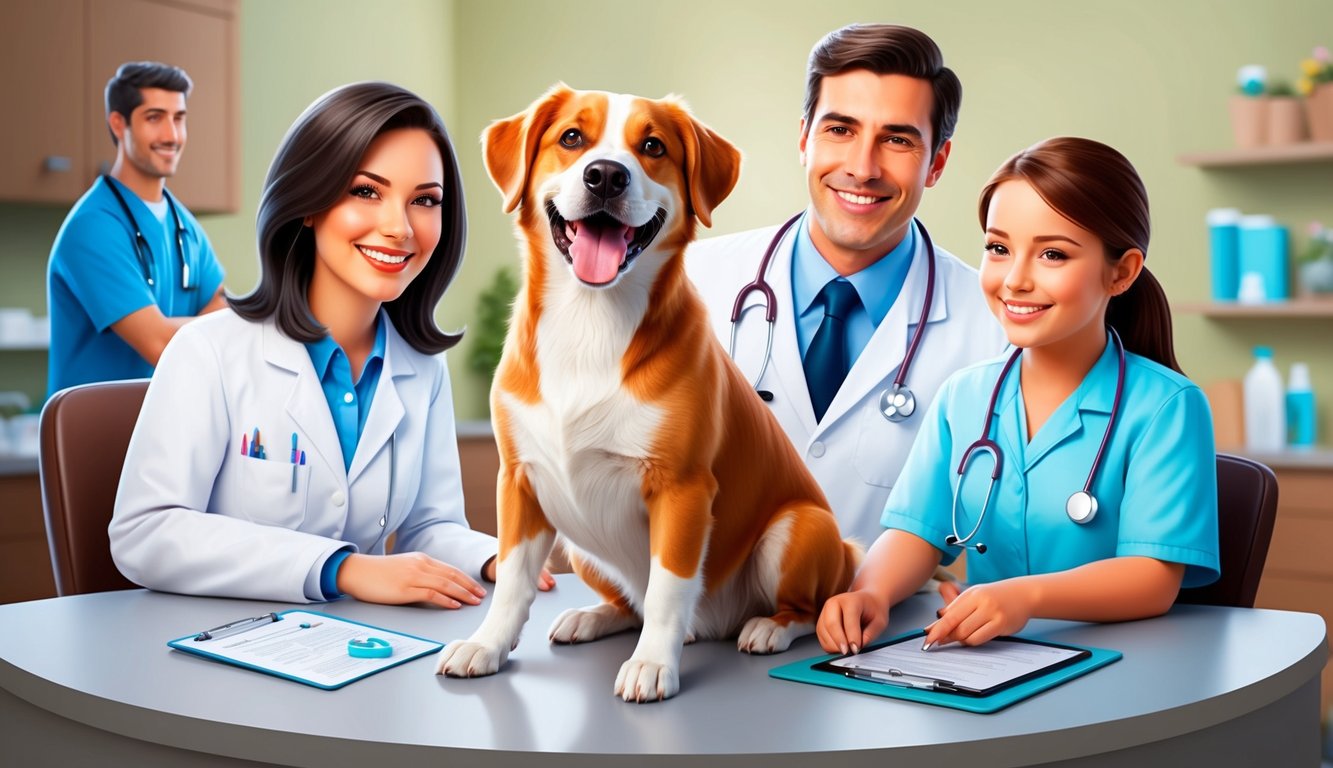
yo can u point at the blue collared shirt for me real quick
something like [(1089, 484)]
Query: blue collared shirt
[(877, 286), (349, 402)]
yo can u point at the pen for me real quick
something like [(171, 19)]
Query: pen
[(295, 456), (903, 679), (240, 625)]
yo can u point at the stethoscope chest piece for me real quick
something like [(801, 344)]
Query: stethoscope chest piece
[(897, 403), (1081, 507)]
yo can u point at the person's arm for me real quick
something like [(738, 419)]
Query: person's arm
[(180, 522), (1114, 589), (894, 569), (147, 330)]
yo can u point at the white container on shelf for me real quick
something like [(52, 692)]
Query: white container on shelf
[(1265, 405)]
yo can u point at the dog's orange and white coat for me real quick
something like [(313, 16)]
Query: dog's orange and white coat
[(620, 420)]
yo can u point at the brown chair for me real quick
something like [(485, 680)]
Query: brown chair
[(85, 432), (1246, 508)]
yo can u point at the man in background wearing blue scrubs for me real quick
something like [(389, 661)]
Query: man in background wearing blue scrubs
[(130, 264)]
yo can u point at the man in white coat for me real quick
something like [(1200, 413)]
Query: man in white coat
[(850, 275)]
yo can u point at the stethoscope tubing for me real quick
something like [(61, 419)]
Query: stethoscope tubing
[(984, 444), (760, 284), (141, 242)]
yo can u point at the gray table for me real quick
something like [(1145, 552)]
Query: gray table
[(89, 681)]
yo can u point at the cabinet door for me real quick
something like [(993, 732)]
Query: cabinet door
[(199, 37), (43, 55)]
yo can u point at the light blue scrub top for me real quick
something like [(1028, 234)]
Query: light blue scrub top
[(1156, 488), (95, 279)]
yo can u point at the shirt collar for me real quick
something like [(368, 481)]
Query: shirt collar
[(323, 352), (810, 272)]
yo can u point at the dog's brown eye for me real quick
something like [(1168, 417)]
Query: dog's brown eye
[(654, 147), (571, 138)]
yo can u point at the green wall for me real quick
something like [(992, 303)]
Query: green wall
[(1148, 77)]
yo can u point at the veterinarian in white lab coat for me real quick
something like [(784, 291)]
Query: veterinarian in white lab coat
[(880, 109), (335, 366)]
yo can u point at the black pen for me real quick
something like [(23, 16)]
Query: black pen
[(240, 625)]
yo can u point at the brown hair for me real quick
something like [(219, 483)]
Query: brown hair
[(311, 171), (1095, 187), (887, 49)]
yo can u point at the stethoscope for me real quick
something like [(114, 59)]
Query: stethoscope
[(1081, 506), (141, 249), (897, 403)]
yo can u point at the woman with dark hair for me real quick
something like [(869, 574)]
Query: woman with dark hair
[(282, 443), (1079, 468)]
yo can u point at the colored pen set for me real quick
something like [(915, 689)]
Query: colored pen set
[(252, 447)]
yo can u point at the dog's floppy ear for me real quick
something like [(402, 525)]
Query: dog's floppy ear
[(509, 146), (712, 166)]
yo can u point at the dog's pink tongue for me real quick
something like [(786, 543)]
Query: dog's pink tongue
[(598, 251)]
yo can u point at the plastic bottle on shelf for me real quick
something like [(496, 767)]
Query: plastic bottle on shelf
[(1300, 407), (1265, 405)]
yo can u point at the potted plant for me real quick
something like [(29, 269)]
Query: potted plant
[(1286, 115), (494, 306), (1249, 107), (1316, 84), (1316, 262)]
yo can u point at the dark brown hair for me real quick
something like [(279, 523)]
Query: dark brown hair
[(312, 170), (887, 49), (1095, 187)]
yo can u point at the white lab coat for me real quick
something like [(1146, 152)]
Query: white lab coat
[(194, 515), (855, 453)]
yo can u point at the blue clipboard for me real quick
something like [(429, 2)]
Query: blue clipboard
[(804, 672), (404, 647)]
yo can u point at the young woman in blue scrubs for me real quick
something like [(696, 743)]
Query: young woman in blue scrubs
[(281, 443), (1066, 234)]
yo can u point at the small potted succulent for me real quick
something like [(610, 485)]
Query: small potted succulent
[(1286, 114), (1316, 262), (1249, 107), (1316, 84)]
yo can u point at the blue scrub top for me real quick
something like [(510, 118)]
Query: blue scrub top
[(1156, 488), (95, 279)]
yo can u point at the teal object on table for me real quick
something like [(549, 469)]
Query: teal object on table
[(803, 672)]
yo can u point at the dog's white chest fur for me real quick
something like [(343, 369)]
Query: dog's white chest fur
[(584, 444)]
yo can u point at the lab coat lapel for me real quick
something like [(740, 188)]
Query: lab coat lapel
[(305, 401), (878, 363), (386, 410)]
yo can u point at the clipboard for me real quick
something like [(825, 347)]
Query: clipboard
[(913, 687), (308, 647)]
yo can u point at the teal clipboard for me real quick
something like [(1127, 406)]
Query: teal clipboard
[(804, 672), (406, 648)]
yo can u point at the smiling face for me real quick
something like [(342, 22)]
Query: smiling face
[(379, 236), (612, 176), (867, 158), (1047, 279), (150, 143)]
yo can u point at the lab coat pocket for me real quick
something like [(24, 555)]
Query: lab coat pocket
[(269, 495), (881, 447)]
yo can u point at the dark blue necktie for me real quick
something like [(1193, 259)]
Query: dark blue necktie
[(826, 360)]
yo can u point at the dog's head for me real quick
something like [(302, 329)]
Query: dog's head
[(615, 176)]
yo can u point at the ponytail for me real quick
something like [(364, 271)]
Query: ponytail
[(1142, 317)]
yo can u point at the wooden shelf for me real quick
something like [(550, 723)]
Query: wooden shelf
[(1305, 152), (1296, 308)]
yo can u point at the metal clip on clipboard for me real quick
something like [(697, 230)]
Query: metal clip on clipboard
[(903, 679), (236, 627)]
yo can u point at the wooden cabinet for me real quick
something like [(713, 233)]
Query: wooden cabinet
[(1298, 574), (25, 561), (59, 55)]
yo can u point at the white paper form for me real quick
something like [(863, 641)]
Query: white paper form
[(975, 668), (308, 647)]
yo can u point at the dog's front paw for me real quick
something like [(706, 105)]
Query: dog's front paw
[(642, 681), (581, 625), (468, 658), (762, 634)]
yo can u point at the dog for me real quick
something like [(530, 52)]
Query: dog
[(621, 422)]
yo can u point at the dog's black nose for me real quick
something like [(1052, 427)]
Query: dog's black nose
[(606, 178)]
